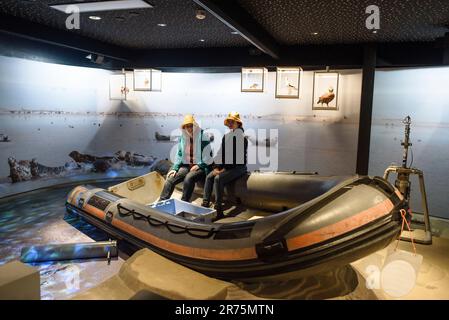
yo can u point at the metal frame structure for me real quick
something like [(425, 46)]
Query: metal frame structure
[(403, 183)]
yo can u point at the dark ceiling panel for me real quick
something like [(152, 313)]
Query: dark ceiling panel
[(293, 22), (138, 29), (238, 19), (408, 28)]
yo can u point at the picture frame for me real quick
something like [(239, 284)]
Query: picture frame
[(142, 79), (253, 79), (156, 80), (325, 90), (117, 87), (288, 80)]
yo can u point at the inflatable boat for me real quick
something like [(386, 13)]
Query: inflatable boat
[(277, 225)]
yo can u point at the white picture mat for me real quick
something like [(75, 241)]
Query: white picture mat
[(253, 79), (117, 84), (287, 82), (323, 81), (156, 80), (142, 80)]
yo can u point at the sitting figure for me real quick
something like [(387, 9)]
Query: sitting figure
[(189, 165), (230, 163)]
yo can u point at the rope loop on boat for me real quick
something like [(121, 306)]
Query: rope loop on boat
[(405, 222), (173, 228)]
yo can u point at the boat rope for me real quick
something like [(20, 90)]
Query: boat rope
[(173, 228), (405, 222)]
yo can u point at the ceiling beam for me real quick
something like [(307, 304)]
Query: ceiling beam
[(18, 47), (238, 19), (66, 39), (310, 57)]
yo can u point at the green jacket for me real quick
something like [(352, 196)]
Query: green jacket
[(200, 144)]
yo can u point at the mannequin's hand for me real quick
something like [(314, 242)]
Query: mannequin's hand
[(171, 174)]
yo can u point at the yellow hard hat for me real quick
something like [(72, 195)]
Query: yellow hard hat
[(188, 119), (234, 115)]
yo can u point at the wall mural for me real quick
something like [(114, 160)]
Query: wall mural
[(66, 127), (420, 94)]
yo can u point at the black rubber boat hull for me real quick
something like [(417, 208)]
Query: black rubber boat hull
[(320, 235)]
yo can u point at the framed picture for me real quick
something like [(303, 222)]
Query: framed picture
[(156, 80), (142, 80), (325, 90), (253, 79), (287, 82), (117, 87)]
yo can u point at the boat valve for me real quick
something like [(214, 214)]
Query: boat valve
[(271, 250)]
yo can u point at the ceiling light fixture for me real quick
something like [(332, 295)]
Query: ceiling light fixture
[(95, 18), (234, 32), (105, 5), (161, 25), (314, 33), (202, 40), (200, 14), (95, 58)]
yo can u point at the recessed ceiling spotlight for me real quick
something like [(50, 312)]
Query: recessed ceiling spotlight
[(314, 33), (161, 24), (202, 40), (200, 14), (375, 31), (234, 32), (95, 18)]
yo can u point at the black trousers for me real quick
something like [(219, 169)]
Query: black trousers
[(218, 183), (189, 178)]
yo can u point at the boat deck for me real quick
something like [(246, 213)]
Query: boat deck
[(233, 213)]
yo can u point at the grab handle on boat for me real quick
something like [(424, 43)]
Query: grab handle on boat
[(385, 186)]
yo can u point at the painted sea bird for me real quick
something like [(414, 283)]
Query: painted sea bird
[(327, 97), (254, 86)]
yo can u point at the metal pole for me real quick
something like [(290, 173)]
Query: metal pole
[(424, 202), (406, 143)]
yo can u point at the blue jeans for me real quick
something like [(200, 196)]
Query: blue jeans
[(189, 178)]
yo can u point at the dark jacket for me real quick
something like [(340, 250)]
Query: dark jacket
[(233, 151)]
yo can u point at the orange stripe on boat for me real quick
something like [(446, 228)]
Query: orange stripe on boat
[(248, 253), (341, 227), (94, 211), (198, 253)]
